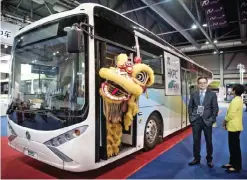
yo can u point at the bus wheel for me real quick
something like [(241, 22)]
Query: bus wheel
[(152, 132)]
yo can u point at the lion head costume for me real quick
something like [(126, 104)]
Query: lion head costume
[(121, 90)]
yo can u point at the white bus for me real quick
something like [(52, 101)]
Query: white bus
[(66, 128)]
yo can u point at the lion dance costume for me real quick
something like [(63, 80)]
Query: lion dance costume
[(121, 90)]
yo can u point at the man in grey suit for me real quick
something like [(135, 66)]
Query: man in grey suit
[(203, 110)]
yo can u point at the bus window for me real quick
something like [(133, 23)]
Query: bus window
[(111, 55), (47, 78), (153, 56), (113, 32)]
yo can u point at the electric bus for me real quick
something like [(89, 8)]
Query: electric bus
[(64, 125)]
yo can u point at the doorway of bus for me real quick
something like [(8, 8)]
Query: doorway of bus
[(106, 53)]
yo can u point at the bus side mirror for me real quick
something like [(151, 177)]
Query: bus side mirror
[(75, 39)]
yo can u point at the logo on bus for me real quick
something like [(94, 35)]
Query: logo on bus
[(173, 85), (28, 136)]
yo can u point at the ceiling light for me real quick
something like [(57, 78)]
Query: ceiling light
[(215, 52), (193, 26), (206, 42), (54, 53), (221, 51), (204, 25), (215, 41)]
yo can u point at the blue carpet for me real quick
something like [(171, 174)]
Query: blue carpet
[(4, 122), (174, 163)]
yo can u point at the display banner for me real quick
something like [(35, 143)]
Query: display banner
[(218, 24), (205, 4), (243, 11), (172, 72), (8, 32), (215, 13)]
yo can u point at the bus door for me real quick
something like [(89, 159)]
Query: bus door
[(105, 56), (184, 98), (129, 137), (100, 123)]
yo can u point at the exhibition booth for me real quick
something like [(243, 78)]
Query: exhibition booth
[(8, 31)]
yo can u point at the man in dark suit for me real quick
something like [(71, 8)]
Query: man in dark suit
[(203, 110)]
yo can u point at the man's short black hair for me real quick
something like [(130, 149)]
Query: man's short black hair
[(238, 89), (201, 77)]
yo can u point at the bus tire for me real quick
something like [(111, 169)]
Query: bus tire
[(152, 132)]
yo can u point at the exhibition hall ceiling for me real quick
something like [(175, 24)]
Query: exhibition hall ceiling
[(193, 26)]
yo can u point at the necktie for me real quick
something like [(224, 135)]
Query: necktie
[(201, 98)]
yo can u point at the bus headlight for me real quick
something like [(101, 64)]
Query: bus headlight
[(63, 138)]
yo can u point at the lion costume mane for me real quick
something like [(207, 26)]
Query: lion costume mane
[(120, 92)]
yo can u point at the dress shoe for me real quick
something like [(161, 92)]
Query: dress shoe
[(210, 164), (194, 162), (226, 166), (232, 170)]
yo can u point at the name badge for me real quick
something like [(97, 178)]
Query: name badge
[(200, 110)]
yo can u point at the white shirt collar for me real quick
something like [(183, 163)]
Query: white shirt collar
[(202, 91)]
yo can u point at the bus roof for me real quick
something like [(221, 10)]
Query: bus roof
[(87, 8)]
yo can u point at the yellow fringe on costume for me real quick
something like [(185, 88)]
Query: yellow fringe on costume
[(109, 151), (132, 111), (114, 135), (112, 109)]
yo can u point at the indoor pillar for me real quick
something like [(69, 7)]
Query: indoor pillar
[(221, 57)]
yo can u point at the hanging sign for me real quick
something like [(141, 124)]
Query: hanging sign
[(243, 11), (172, 72), (8, 32), (215, 13), (208, 3)]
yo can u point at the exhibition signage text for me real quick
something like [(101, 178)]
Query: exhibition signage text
[(8, 32), (172, 71)]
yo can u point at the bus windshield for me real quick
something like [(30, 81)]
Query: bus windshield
[(47, 86)]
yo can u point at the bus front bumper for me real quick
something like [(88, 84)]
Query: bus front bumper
[(44, 154)]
